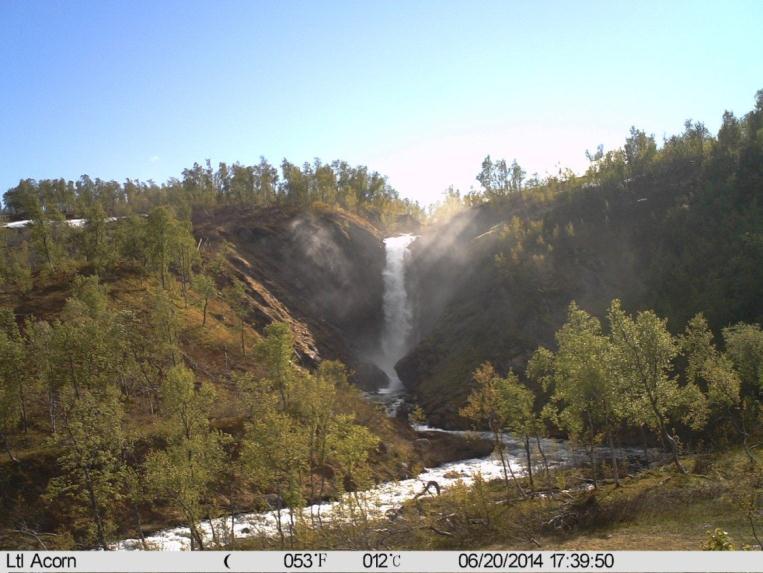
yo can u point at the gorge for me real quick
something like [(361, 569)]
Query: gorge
[(234, 333), (387, 498)]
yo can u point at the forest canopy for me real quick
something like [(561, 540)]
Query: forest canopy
[(337, 183)]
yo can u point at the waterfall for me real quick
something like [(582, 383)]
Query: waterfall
[(398, 315)]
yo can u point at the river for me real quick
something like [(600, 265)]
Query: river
[(379, 499), (391, 495)]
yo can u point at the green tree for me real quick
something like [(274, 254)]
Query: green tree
[(697, 347), (38, 336), (639, 150), (184, 473), (349, 445), (585, 392), (131, 240), (516, 176), (325, 183), (266, 182), (17, 271), (160, 238), (205, 286), (15, 378), (744, 346), (518, 402), (540, 371), (486, 405), (499, 179), (168, 243), (12, 382), (41, 226), (92, 448), (164, 331), (86, 344), (187, 257), (136, 494), (724, 397), (732, 377), (274, 456), (744, 349), (98, 250), (642, 352), (295, 184), (235, 296), (316, 406), (276, 354)]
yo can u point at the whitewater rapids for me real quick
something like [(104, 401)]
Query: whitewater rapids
[(377, 501)]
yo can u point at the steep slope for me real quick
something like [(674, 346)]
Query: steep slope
[(495, 282), (319, 270), (301, 268)]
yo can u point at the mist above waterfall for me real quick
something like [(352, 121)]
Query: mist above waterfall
[(398, 314)]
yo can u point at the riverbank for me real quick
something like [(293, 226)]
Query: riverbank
[(446, 452), (390, 499), (655, 509)]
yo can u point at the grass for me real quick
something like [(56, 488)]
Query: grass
[(657, 509), (673, 515), (661, 509), (685, 527)]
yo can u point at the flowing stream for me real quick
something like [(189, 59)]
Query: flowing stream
[(377, 501), (382, 498)]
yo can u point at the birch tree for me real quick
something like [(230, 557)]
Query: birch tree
[(183, 474), (485, 405), (641, 359), (12, 380), (274, 456), (585, 392), (92, 445), (276, 353), (205, 286)]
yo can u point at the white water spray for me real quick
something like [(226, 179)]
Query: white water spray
[(398, 315)]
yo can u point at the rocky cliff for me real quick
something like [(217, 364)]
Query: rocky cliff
[(318, 270)]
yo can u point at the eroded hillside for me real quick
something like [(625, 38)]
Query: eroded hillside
[(318, 270), (150, 360)]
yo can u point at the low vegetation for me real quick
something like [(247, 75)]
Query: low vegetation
[(658, 508)]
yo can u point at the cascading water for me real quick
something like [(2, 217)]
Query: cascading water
[(378, 500), (398, 315)]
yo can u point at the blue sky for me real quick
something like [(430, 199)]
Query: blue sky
[(420, 91)]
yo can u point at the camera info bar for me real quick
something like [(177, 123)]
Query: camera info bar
[(354, 561)]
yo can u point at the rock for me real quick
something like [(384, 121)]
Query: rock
[(369, 377), (274, 501), (437, 448), (318, 270)]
